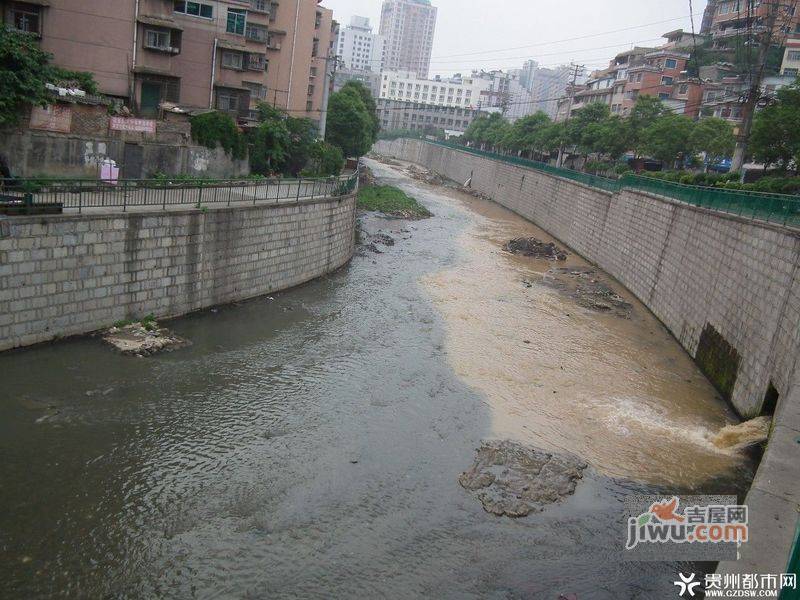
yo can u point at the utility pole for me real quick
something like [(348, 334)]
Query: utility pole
[(752, 96), (577, 70), (323, 117)]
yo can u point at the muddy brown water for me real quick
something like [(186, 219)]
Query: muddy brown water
[(309, 445)]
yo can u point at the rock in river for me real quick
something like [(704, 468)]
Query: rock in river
[(515, 480)]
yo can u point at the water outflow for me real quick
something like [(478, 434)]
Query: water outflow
[(743, 435)]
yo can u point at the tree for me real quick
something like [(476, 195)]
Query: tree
[(522, 134), (643, 114), (24, 71), (488, 130), (350, 125), (610, 137), (590, 115), (550, 138), (776, 131), (268, 147), (324, 160), (715, 137), (369, 103), (668, 138), (302, 135), (212, 128)]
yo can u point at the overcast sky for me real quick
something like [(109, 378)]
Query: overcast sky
[(470, 26)]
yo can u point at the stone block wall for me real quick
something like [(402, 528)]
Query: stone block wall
[(693, 268), (71, 274)]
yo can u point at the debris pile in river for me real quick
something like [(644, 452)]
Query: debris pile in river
[(529, 246), (426, 175), (515, 480), (367, 241), (383, 159), (586, 287), (142, 338)]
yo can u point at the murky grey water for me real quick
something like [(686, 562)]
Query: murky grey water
[(309, 446)]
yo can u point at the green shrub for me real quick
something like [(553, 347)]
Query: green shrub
[(324, 159), (212, 128)]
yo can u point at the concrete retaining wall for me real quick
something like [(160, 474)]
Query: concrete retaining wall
[(692, 267), (63, 275), (31, 154)]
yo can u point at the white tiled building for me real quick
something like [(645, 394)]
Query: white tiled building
[(456, 92), (359, 48)]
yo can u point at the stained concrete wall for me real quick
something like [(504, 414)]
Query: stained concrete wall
[(692, 267), (63, 275), (32, 154)]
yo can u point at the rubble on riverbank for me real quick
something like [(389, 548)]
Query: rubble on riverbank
[(142, 338), (530, 246), (425, 175), (383, 159), (586, 287), (515, 480), (368, 242)]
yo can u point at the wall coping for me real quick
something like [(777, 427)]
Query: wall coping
[(66, 217), (794, 231)]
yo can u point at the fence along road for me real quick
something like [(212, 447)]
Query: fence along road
[(91, 195), (783, 209)]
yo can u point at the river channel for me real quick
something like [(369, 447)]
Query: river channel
[(309, 444)]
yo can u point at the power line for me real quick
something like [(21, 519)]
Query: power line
[(573, 39)]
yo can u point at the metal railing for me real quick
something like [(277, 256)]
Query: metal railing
[(33, 195), (783, 209)]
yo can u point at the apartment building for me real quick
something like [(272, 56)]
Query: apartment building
[(468, 92), (400, 114), (407, 28), (727, 19), (790, 67), (663, 75), (548, 86), (358, 48), (223, 54)]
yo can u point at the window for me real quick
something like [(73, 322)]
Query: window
[(663, 96), (158, 40), (257, 91), (228, 101), (26, 19), (684, 88), (256, 33), (790, 72), (232, 60), (256, 62), (667, 80), (309, 106), (196, 9), (310, 90), (793, 55), (315, 48), (671, 63), (237, 17), (259, 5)]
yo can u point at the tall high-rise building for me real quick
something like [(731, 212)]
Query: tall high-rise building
[(527, 74), (358, 48), (407, 28)]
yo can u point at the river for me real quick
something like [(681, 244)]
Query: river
[(308, 444)]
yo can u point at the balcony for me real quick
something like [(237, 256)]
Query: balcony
[(260, 6), (256, 34)]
